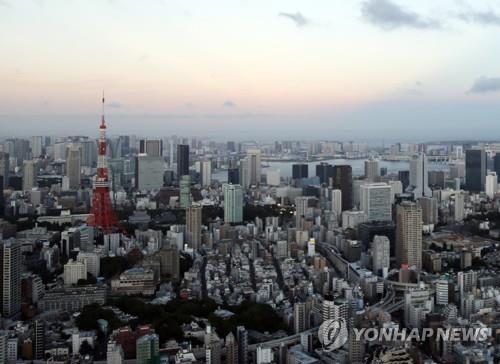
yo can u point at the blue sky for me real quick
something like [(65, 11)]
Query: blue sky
[(346, 69)]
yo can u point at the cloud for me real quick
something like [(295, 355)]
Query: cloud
[(229, 103), (414, 89), (114, 104), (143, 58), (299, 19), (5, 3), (481, 17), (485, 85), (389, 16)]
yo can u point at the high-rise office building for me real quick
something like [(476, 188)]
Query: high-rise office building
[(36, 146), (231, 349), (148, 349), (182, 160), (89, 153), (4, 168), (409, 234), (233, 203), (459, 206), (10, 260), (206, 173), (429, 206), (381, 255), (233, 176), (242, 339), (39, 340), (475, 170), (254, 166), (496, 163), (185, 191), (300, 170), (419, 175), (303, 206), (325, 173), (170, 262), (342, 180), (491, 184), (336, 200), (193, 226), (375, 201), (301, 312), (151, 147), (73, 166), (372, 170), (29, 175), (149, 172), (404, 177)]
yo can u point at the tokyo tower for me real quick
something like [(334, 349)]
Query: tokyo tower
[(102, 215)]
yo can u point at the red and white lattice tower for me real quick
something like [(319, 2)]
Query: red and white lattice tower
[(102, 215)]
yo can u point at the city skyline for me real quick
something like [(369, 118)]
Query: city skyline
[(379, 68)]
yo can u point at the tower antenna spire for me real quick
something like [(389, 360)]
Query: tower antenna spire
[(102, 115)]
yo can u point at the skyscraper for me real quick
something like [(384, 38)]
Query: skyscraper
[(300, 170), (149, 171), (496, 163), (491, 185), (151, 147), (36, 146), (372, 170), (185, 191), (375, 201), (193, 226), (73, 166), (325, 172), (29, 175), (342, 180), (4, 168), (10, 260), (233, 175), (409, 234), (381, 255), (206, 173), (233, 203), (231, 349), (475, 170), (254, 166), (419, 174), (242, 339), (182, 160), (170, 262)]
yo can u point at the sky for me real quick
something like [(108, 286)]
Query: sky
[(330, 69)]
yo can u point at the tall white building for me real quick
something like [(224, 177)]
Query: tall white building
[(381, 255), (36, 146), (233, 203), (375, 201), (73, 271), (92, 262), (419, 173), (336, 199), (491, 185), (206, 173), (372, 169), (459, 206)]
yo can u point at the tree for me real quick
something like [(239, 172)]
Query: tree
[(85, 348)]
